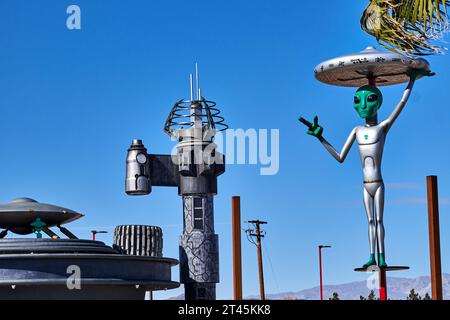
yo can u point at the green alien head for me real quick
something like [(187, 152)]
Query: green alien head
[(368, 100)]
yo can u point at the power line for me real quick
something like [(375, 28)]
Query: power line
[(266, 250)]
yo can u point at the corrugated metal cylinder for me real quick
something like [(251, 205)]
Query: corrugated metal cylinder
[(139, 240)]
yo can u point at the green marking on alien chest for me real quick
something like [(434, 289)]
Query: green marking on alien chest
[(366, 136)]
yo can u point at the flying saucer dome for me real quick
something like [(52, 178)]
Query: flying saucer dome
[(18, 215), (353, 70)]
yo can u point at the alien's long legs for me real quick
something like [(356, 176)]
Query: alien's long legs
[(379, 209), (374, 205), (369, 206)]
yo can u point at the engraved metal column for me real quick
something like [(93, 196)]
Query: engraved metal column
[(199, 251)]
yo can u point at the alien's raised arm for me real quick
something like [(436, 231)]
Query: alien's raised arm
[(387, 124), (340, 157)]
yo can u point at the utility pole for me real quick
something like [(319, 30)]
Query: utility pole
[(320, 269), (257, 234)]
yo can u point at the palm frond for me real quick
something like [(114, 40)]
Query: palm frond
[(407, 26)]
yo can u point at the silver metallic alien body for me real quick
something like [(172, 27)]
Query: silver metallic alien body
[(371, 139)]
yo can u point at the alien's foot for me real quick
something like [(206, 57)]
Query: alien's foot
[(381, 261), (371, 262)]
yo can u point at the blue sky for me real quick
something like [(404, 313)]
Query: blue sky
[(71, 101)]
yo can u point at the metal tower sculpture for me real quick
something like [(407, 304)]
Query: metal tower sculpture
[(194, 170)]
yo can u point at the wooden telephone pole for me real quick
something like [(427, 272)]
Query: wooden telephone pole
[(257, 234)]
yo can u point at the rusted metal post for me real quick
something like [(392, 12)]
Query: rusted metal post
[(320, 269), (435, 242), (237, 255)]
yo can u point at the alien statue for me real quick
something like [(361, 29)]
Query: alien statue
[(370, 138)]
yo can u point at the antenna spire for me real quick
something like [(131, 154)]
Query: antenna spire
[(191, 86), (197, 83)]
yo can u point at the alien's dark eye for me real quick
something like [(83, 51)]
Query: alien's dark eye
[(357, 100), (372, 98)]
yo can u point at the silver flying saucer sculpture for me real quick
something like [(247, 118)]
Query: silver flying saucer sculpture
[(17, 215), (41, 268), (354, 70)]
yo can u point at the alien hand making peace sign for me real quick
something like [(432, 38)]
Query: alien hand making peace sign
[(370, 138)]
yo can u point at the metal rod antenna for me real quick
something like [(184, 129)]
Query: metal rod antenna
[(197, 86), (191, 86)]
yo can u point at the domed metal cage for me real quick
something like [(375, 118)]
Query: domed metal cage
[(198, 113)]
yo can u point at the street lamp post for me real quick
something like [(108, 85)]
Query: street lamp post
[(320, 269), (95, 232)]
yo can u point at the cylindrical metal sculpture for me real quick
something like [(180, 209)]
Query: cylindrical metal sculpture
[(194, 123), (194, 170), (139, 240), (138, 170)]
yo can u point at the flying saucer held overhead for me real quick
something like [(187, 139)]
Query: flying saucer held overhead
[(354, 70), (18, 215)]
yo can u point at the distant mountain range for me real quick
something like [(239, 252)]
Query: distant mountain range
[(398, 289)]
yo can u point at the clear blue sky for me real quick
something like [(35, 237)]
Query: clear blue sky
[(71, 101)]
